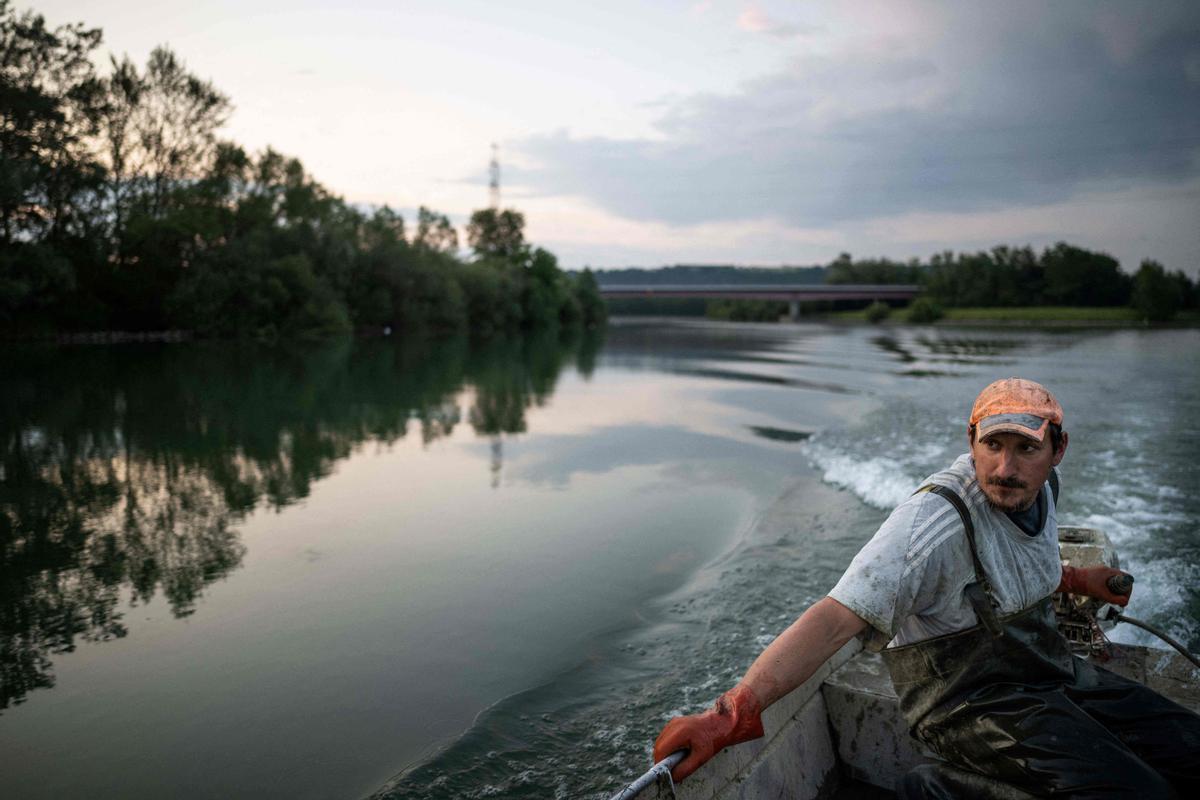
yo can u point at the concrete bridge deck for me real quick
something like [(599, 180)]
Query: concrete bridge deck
[(764, 291), (792, 294)]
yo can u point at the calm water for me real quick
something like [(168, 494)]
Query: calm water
[(444, 571)]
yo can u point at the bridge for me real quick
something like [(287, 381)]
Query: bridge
[(792, 294)]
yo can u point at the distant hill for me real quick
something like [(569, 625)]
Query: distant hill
[(690, 274)]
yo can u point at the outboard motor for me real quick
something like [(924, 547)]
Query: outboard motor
[(1084, 620)]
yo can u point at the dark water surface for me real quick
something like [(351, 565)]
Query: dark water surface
[(492, 571)]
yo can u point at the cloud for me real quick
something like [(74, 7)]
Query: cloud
[(754, 20), (1164, 226), (1138, 222), (571, 224), (1019, 105)]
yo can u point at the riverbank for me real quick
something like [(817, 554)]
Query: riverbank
[(1040, 316)]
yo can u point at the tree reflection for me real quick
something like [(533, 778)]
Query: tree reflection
[(510, 375), (124, 471)]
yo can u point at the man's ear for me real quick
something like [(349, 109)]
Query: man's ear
[(1062, 451)]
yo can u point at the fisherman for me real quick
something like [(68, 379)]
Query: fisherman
[(957, 583)]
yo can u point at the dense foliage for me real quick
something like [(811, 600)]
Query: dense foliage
[(122, 209), (1158, 295), (877, 312), (1062, 275), (924, 310), (844, 269)]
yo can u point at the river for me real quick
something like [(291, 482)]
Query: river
[(446, 570)]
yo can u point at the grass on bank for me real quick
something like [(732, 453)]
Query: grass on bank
[(1102, 314), (1043, 314)]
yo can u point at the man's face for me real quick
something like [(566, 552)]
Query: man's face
[(1012, 468)]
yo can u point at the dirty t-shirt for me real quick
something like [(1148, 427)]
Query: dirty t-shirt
[(907, 582)]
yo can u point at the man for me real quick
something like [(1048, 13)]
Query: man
[(958, 581)]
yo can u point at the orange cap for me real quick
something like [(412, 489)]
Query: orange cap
[(1015, 405)]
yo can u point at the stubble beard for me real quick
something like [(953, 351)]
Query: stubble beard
[(1012, 507)]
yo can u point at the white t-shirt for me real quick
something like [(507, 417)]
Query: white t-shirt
[(907, 582)]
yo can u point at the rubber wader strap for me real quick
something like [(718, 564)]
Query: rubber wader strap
[(979, 593), (1054, 485)]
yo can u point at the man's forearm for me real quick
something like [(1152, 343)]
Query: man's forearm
[(786, 663), (800, 650)]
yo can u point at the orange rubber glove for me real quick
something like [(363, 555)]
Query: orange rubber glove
[(1092, 582), (736, 717)]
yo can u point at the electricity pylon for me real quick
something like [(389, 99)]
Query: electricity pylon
[(494, 178)]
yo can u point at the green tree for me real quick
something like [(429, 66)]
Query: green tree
[(434, 232), (591, 304), (1186, 289), (924, 310), (121, 208), (546, 299), (34, 280), (979, 279), (242, 291), (844, 269), (491, 290), (1156, 296), (1078, 277), (50, 102), (158, 134), (497, 234), (162, 204), (175, 123), (50, 105), (877, 312)]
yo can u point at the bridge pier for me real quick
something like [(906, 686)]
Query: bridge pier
[(794, 310)]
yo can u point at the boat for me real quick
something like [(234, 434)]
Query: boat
[(840, 734)]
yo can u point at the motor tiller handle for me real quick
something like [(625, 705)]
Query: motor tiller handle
[(1120, 584)]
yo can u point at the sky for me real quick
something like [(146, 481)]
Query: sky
[(722, 131)]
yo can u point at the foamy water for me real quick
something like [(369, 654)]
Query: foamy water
[(1132, 402)]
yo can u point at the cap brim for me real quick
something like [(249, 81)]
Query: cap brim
[(1037, 434)]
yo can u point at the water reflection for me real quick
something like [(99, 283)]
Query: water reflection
[(124, 471), (779, 434), (771, 380), (971, 347), (890, 345)]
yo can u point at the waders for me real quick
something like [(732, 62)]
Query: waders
[(1016, 715)]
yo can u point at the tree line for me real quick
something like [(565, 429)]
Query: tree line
[(121, 208), (1062, 275), (1005, 276)]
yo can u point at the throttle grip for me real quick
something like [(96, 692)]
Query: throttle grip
[(1120, 584)]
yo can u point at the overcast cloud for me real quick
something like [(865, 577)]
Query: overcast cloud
[(986, 107), (723, 131)]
